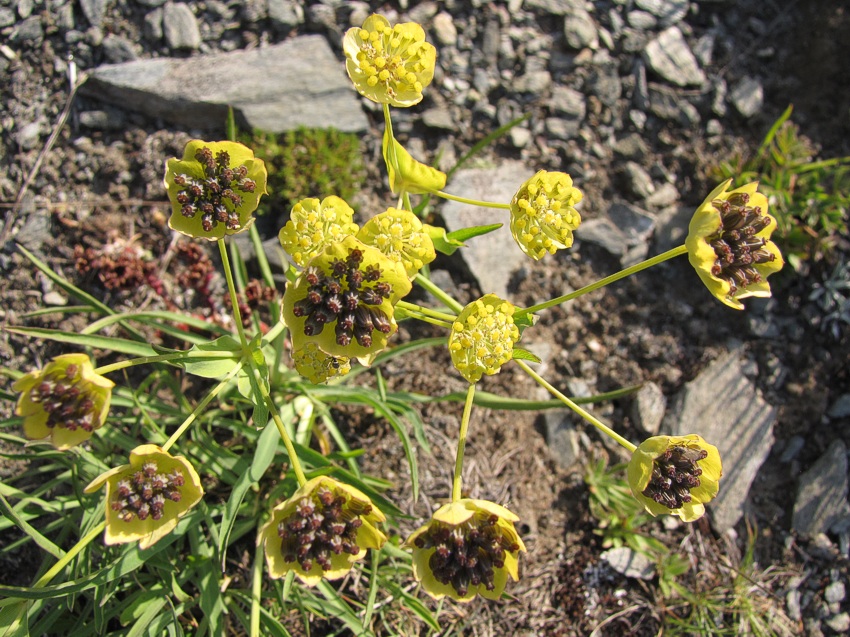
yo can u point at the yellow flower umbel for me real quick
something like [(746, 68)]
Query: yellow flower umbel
[(344, 301), (146, 498), (389, 65), (729, 244), (65, 402), (313, 225), (214, 189), (483, 337), (675, 475), (321, 531), (318, 367), (543, 216), (400, 235), (468, 548)]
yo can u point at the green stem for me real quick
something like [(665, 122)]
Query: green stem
[(201, 406), (444, 298), (256, 590), (231, 287), (82, 543), (461, 442), (472, 202), (114, 367), (412, 308), (581, 412), (603, 282), (406, 198)]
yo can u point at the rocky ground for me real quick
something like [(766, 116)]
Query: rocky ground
[(636, 99)]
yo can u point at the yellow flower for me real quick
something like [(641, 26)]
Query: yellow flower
[(467, 548), (146, 498), (314, 225), (400, 235), (65, 402), (729, 244), (389, 65), (483, 337), (350, 289), (321, 531), (318, 367), (214, 189), (542, 214), (406, 173), (675, 475)]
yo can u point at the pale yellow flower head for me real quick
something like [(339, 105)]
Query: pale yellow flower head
[(543, 216), (314, 224), (146, 498), (214, 189), (729, 244), (467, 548), (389, 65), (400, 235), (483, 337), (318, 367), (675, 475), (65, 402), (321, 531)]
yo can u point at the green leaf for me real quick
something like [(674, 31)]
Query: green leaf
[(521, 354), (110, 343), (448, 243), (37, 537), (213, 367)]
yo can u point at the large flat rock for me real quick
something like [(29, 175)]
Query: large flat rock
[(821, 504), (723, 406), (299, 82)]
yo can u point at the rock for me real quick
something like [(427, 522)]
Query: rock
[(747, 97), (180, 27), (793, 447), (563, 437), (28, 135), (439, 118), (821, 504), (839, 623), (648, 408), (629, 563), (286, 15), (568, 101), (533, 82), (560, 128), (792, 604), (7, 17), (642, 20), (519, 136), (623, 234), (638, 180), (29, 30), (153, 25), (724, 407), (840, 408), (835, 593), (54, 298), (580, 30), (554, 7), (667, 11), (671, 58), (276, 88), (151, 3), (665, 195), (118, 49), (493, 258), (671, 227), (94, 10), (445, 31), (632, 146)]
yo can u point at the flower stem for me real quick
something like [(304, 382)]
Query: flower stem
[(412, 308), (581, 412), (231, 287), (461, 442), (256, 590), (201, 406), (472, 202), (603, 282), (82, 543), (132, 362), (438, 293)]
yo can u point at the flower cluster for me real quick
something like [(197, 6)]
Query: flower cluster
[(483, 337), (321, 531), (64, 402), (400, 235), (543, 215), (315, 224)]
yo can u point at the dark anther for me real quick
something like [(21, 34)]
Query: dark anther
[(674, 474), (144, 494), (736, 245)]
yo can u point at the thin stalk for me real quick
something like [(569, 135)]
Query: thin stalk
[(82, 543), (444, 298), (201, 406), (472, 202), (231, 287), (643, 265), (406, 197), (256, 590), (143, 360), (461, 442), (412, 308), (274, 332), (581, 412)]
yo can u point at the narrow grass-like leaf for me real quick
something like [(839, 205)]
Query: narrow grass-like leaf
[(340, 610), (110, 343), (37, 537), (173, 317)]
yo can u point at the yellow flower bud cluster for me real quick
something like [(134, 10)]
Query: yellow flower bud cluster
[(315, 224), (543, 216), (483, 337)]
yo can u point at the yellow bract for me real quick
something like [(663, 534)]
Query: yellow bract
[(318, 367), (483, 337), (647, 477), (321, 531), (313, 225), (542, 214), (405, 173), (467, 548), (146, 498), (65, 402), (389, 65), (729, 244)]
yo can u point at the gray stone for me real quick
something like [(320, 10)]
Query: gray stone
[(555, 7), (117, 49), (55, 299), (103, 119), (277, 88), (604, 83), (665, 195), (533, 82), (181, 27), (28, 135), (821, 504), (562, 437), (580, 30), (747, 96), (648, 408), (642, 20), (153, 25), (623, 233), (568, 101), (632, 146), (638, 180), (286, 15), (839, 623), (151, 3), (25, 8), (94, 10), (793, 447), (724, 407), (629, 563), (671, 58), (835, 593), (667, 11), (444, 28), (493, 258), (421, 12), (561, 128), (840, 408), (439, 117), (792, 604), (7, 17), (520, 137), (29, 30)]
